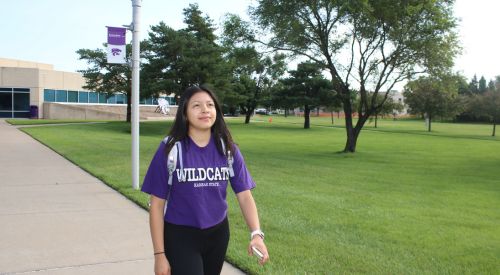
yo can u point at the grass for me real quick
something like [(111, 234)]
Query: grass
[(411, 126), (407, 202), (48, 121)]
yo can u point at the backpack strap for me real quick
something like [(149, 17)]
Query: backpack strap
[(230, 159), (171, 164), (174, 155), (178, 146)]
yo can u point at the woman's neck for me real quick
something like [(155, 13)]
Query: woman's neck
[(200, 137)]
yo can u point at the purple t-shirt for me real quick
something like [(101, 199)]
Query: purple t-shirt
[(200, 201)]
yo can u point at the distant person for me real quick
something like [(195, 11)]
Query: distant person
[(163, 106), (188, 208)]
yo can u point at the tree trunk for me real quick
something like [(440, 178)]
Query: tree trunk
[(129, 107), (286, 113), (376, 119), (494, 128), (352, 136), (247, 117), (338, 114), (352, 139), (332, 116), (317, 112), (430, 121), (307, 113), (362, 119)]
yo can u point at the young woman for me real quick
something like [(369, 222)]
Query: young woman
[(188, 219)]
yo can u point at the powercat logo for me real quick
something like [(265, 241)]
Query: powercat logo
[(115, 51)]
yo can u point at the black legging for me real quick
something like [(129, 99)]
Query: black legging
[(193, 251)]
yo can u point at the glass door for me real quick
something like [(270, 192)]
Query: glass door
[(14, 102)]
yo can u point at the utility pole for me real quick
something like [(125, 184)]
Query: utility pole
[(136, 8)]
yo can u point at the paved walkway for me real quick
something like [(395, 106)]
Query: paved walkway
[(57, 219)]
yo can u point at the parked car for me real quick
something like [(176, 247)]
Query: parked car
[(261, 111)]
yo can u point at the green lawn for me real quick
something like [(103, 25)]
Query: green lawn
[(49, 121), (407, 202), (413, 126)]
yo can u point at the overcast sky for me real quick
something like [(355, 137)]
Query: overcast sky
[(50, 31)]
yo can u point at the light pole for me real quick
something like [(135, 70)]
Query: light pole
[(136, 7)]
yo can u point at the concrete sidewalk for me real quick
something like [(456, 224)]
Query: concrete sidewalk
[(55, 218)]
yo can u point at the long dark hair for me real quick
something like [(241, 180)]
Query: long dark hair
[(179, 130)]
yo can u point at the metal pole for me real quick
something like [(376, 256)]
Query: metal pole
[(136, 7)]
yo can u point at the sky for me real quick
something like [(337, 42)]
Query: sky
[(51, 31)]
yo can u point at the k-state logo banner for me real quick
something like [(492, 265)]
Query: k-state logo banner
[(116, 45)]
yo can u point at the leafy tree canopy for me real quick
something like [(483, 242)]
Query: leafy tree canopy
[(368, 44), (432, 96), (255, 71), (177, 59), (104, 77)]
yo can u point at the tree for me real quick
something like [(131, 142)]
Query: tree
[(254, 72), (487, 105), (334, 108), (388, 108), (201, 27), (482, 85), (107, 78), (491, 86), (370, 44), (463, 86), (178, 59), (252, 82), (431, 97), (281, 98), (306, 86), (474, 85)]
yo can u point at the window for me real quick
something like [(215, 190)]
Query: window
[(14, 102), (121, 99), (21, 101), (102, 98), (6, 101), (83, 97), (72, 96), (93, 97), (25, 114), (5, 114), (112, 99), (61, 96), (49, 95)]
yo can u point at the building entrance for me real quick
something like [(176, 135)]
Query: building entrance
[(15, 102)]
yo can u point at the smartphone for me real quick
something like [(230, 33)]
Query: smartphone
[(257, 253)]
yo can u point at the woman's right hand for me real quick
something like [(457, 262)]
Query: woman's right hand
[(162, 266)]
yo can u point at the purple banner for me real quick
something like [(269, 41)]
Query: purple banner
[(116, 45), (116, 36)]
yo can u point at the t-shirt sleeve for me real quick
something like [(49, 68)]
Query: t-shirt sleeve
[(242, 180), (156, 179)]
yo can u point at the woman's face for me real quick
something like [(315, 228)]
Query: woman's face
[(201, 112)]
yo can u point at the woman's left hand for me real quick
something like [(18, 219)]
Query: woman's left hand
[(258, 243)]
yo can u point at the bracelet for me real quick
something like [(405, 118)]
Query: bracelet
[(257, 232), (157, 253)]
